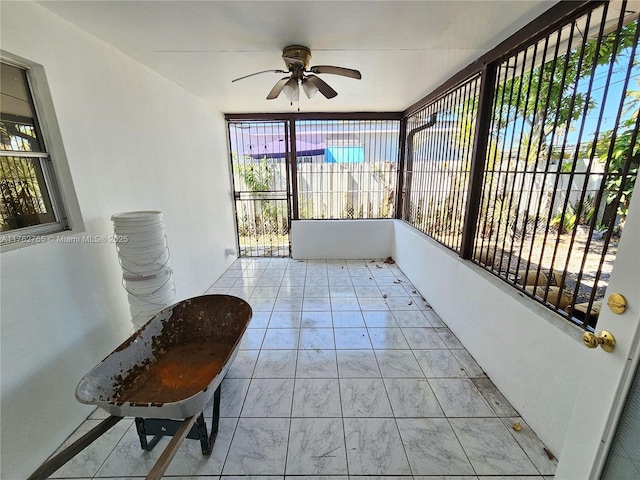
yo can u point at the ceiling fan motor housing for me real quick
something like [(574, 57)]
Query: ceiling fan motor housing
[(296, 52)]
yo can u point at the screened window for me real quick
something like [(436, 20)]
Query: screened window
[(29, 204)]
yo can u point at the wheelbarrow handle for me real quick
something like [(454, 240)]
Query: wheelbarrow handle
[(54, 463), (171, 449)]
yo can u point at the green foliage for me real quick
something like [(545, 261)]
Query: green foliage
[(625, 156), (574, 214), (548, 96), (258, 177)]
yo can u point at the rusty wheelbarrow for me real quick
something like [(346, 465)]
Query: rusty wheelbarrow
[(164, 375)]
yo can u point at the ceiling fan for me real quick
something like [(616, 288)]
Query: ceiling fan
[(296, 59)]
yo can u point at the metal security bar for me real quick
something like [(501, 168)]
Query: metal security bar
[(346, 169), (562, 161), (259, 152), (439, 143), (25, 199), (309, 166)]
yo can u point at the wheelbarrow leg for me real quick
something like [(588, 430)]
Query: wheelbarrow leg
[(207, 440), (142, 435)]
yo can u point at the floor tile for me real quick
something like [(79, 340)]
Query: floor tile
[(244, 364), (439, 364), (423, 338), (412, 397), (276, 364), (259, 320), (433, 318), (285, 320), (432, 447), (316, 338), (259, 447), (374, 304), (317, 364), (345, 373), (232, 394), (369, 290), (316, 398), (364, 397), (342, 319), (252, 339), (286, 304), (265, 291), (388, 338), (375, 319), (374, 447), (351, 338), (269, 397), (317, 319), (316, 446), (459, 397), (468, 363), (344, 303), (315, 291), (393, 291), (531, 445), (410, 318), (449, 338), (490, 447), (281, 338), (357, 364), (360, 277), (402, 303), (398, 364), (316, 304), (494, 397), (342, 289)]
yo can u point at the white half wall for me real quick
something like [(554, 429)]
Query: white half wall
[(532, 356), (133, 141), (341, 239)]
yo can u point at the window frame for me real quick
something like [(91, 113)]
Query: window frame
[(46, 159)]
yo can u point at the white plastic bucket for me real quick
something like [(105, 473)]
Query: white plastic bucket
[(160, 299), (135, 267), (144, 258), (147, 286), (148, 217), (129, 248), (141, 234)]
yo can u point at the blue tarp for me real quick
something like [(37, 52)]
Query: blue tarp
[(344, 155)]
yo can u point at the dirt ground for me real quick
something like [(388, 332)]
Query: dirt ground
[(569, 254)]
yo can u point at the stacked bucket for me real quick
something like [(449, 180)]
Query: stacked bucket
[(144, 257)]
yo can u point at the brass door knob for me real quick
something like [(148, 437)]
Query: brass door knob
[(605, 339)]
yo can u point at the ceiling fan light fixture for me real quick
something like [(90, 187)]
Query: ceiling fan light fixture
[(292, 89), (310, 89)]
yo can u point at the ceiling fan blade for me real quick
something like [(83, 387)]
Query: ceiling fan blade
[(321, 85), (345, 72), (258, 73), (277, 88)]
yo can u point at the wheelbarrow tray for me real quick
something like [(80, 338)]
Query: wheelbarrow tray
[(172, 366)]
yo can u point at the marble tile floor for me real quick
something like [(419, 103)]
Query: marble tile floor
[(344, 373)]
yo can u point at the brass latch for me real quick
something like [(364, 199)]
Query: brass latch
[(606, 340), (617, 303)]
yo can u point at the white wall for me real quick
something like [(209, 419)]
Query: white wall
[(343, 239), (530, 354), (134, 141)]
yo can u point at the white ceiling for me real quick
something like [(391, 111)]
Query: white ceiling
[(404, 49)]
